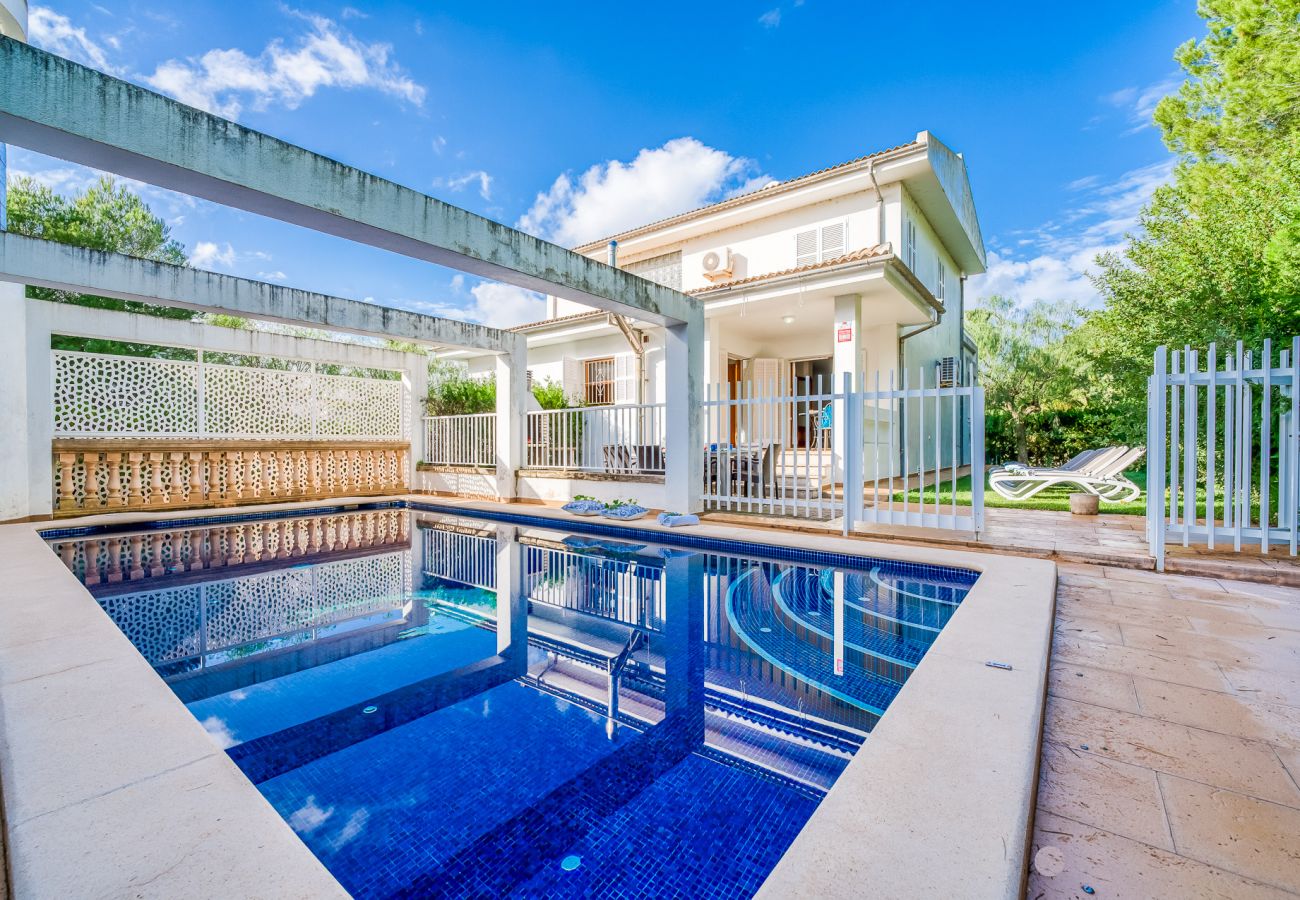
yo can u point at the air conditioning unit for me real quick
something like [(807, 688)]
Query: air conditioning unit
[(948, 372), (717, 264)]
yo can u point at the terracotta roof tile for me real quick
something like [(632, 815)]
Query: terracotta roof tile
[(571, 317), (878, 251)]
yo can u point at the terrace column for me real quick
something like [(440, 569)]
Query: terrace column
[(512, 600), (14, 497), (848, 359), (684, 378), (512, 388)]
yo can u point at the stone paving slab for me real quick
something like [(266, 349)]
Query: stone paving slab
[(1171, 755)]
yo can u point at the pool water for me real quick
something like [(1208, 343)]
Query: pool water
[(445, 705)]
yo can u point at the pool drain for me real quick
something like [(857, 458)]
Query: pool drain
[(370, 709), (569, 863)]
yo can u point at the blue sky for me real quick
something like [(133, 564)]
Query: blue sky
[(574, 120)]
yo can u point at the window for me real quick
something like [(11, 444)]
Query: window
[(909, 244), (940, 278), (821, 244), (665, 269), (598, 381)]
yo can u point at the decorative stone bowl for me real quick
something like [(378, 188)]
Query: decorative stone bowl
[(584, 507), (625, 513), (1084, 504)]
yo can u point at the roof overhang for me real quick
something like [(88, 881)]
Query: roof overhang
[(864, 276), (940, 187)]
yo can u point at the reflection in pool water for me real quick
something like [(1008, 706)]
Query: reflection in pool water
[(445, 705)]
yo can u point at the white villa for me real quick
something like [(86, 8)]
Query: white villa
[(856, 268), (859, 268)]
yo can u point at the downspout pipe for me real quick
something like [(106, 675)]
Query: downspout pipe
[(880, 203), (633, 336)]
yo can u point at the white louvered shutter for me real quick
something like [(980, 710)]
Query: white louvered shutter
[(573, 381), (625, 376), (834, 241), (805, 248)]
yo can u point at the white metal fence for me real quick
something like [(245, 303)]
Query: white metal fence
[(466, 440), (103, 395), (624, 439), (890, 455), (1223, 446)]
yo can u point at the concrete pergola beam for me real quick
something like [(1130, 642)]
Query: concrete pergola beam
[(55, 106), (25, 260)]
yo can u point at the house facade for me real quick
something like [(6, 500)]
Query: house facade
[(857, 270)]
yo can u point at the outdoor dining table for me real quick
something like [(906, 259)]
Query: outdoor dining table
[(736, 459)]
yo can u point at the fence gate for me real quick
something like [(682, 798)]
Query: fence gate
[(890, 454), (1224, 449)]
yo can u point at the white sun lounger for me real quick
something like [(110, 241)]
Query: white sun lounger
[(1102, 475), (1074, 464)]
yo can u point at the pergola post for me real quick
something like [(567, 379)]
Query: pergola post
[(684, 366), (512, 388)]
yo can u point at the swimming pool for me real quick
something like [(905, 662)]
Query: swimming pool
[(450, 705)]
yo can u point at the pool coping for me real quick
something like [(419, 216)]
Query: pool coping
[(92, 809)]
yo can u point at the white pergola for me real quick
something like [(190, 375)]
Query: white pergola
[(57, 107)]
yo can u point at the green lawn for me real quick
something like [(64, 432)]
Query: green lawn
[(1056, 498)]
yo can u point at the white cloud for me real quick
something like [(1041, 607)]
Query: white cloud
[(208, 254), (309, 816), (277, 275), (1139, 103), (55, 32), (223, 81), (491, 302), (1054, 262), (460, 182), (771, 18), (612, 196), (505, 305)]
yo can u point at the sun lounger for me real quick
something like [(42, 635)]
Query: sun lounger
[(1102, 475)]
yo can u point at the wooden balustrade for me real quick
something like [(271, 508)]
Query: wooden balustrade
[(114, 559), (135, 474)]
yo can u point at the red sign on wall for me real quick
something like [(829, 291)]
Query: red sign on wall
[(844, 333)]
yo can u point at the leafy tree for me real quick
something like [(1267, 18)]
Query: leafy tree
[(1026, 361), (106, 216), (1217, 257), (1244, 91), (453, 392)]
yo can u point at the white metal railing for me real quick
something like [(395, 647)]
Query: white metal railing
[(1223, 444), (769, 452), (895, 452), (462, 556), (464, 440), (919, 438), (624, 439)]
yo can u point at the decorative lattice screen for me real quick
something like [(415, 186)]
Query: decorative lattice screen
[(100, 395)]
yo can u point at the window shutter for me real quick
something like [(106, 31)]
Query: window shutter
[(805, 248), (573, 381), (833, 241), (625, 376)]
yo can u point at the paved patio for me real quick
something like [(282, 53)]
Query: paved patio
[(1171, 749)]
